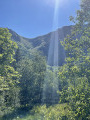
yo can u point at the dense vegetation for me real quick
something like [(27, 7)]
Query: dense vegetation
[(22, 76), (9, 78), (77, 70)]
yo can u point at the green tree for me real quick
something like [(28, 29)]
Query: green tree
[(9, 78), (31, 82), (77, 69)]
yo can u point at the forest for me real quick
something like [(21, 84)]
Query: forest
[(23, 76)]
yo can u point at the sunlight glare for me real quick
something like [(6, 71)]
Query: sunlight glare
[(59, 3)]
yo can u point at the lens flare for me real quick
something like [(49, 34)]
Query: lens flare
[(50, 86), (60, 3)]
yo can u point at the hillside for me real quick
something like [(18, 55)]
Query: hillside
[(41, 43)]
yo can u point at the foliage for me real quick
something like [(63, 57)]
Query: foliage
[(56, 112), (31, 82), (9, 78), (50, 86), (74, 76), (76, 72)]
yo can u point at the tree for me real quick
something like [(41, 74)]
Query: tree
[(9, 78), (77, 69), (31, 82)]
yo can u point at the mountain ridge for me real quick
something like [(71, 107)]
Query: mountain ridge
[(42, 43)]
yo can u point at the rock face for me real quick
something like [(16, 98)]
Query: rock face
[(42, 43)]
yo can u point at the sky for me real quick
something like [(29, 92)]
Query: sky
[(32, 18)]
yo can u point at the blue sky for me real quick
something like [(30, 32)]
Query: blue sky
[(31, 18)]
